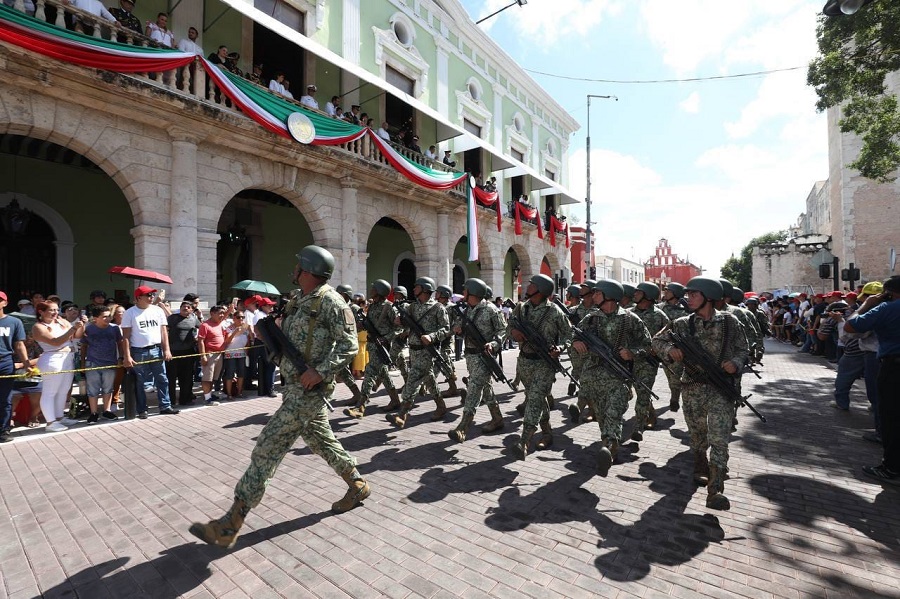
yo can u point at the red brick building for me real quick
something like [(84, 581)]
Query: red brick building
[(665, 267), (580, 262)]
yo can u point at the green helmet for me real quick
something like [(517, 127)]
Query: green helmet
[(488, 292), (316, 261), (444, 291), (628, 290), (381, 287), (400, 290), (574, 290), (589, 283), (476, 287), (737, 295), (710, 288), (726, 288), (426, 283), (544, 284), (612, 289), (345, 290), (677, 289), (651, 290)]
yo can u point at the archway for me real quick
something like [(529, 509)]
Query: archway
[(461, 267), (391, 254), (27, 255), (243, 252), (71, 201), (513, 272)]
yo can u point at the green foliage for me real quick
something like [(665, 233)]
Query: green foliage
[(740, 270), (856, 53)]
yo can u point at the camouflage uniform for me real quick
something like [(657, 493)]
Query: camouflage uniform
[(536, 375), (749, 324), (345, 375), (490, 324), (655, 320), (674, 369), (331, 347), (607, 393), (432, 316), (446, 348), (382, 314), (762, 324), (707, 413)]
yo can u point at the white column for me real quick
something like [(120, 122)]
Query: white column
[(183, 214), (151, 247), (348, 268), (443, 250), (443, 74), (207, 246), (65, 271), (350, 19)]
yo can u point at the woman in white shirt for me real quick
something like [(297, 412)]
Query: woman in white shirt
[(239, 337), (55, 336)]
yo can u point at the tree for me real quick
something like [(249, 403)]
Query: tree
[(740, 270), (856, 53)]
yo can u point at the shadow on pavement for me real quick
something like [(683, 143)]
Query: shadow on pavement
[(255, 420)]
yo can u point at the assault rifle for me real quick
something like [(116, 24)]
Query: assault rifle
[(534, 338), (278, 345), (375, 337), (699, 360), (470, 330), (416, 329), (610, 359), (571, 314)]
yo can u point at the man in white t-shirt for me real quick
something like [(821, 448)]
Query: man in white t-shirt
[(145, 329)]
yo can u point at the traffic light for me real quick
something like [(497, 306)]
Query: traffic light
[(850, 274), (593, 272), (824, 271)]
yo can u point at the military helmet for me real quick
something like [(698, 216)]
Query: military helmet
[(737, 295), (574, 290), (444, 291), (345, 290), (726, 288), (710, 288), (316, 261), (381, 287), (677, 289), (488, 292), (651, 290), (400, 290), (589, 283), (427, 284), (612, 289), (628, 290), (544, 284), (476, 287)]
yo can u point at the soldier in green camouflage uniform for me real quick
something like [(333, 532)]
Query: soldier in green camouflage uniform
[(624, 332), (707, 412), (762, 323), (748, 323), (573, 303), (399, 350), (674, 309), (443, 294), (344, 375), (627, 299), (433, 319), (646, 366), (491, 326), (586, 293), (320, 325), (381, 314), (537, 376)]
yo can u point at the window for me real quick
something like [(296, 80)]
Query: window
[(471, 127), (517, 155), (403, 30)]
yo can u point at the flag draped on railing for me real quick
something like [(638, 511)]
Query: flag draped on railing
[(523, 211), (560, 226)]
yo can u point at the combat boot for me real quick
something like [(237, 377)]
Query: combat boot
[(395, 400), (496, 421), (551, 403), (715, 490), (357, 411), (521, 448), (572, 388), (546, 440), (357, 396), (674, 403), (459, 433), (440, 408), (521, 409), (358, 490), (605, 459), (399, 419), (224, 531), (701, 469), (591, 417), (651, 417), (637, 434)]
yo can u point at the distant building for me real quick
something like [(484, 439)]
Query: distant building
[(620, 269), (580, 263), (666, 267)]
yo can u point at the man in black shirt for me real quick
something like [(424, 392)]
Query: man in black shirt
[(183, 328)]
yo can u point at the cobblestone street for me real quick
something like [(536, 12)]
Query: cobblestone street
[(103, 510)]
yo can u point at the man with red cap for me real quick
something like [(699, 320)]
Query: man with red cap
[(265, 367)]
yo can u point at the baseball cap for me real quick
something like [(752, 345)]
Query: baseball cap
[(835, 294), (851, 296), (820, 295), (143, 290), (264, 301), (873, 288), (24, 302), (252, 300), (3, 296)]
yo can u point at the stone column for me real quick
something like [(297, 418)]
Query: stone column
[(443, 250), (207, 245), (494, 279), (151, 248), (350, 268), (65, 273), (182, 265)]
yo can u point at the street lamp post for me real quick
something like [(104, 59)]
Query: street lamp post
[(519, 2), (589, 249)]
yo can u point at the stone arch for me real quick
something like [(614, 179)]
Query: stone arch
[(525, 262), (552, 261), (423, 247), (487, 255)]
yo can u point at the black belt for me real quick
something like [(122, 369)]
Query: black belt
[(419, 347), (892, 359), (530, 356), (147, 346)]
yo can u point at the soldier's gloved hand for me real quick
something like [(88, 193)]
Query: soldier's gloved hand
[(580, 347), (517, 335), (310, 378), (626, 355), (555, 351), (488, 349), (425, 339), (729, 367), (676, 355)]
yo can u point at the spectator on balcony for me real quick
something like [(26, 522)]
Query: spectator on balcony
[(430, 153), (447, 160), (29, 5), (333, 107), (364, 120), (353, 115), (91, 6), (491, 185), (219, 56), (383, 131), (287, 90), (158, 32), (190, 44), (231, 61), (124, 15), (277, 84), (310, 98), (256, 75), (414, 144)]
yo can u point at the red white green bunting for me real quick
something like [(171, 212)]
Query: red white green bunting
[(424, 176)]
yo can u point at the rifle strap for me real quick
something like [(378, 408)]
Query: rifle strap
[(726, 340), (313, 317)]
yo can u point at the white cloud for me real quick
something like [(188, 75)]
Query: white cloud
[(780, 95), (545, 22), (691, 104)]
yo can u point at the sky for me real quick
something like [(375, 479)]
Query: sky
[(709, 164)]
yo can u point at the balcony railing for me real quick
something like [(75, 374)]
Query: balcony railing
[(191, 80)]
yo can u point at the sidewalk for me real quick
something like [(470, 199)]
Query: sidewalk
[(102, 511)]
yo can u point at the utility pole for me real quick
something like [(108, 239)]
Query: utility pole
[(589, 248)]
